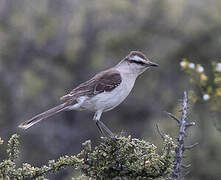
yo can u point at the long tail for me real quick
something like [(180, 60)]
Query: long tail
[(27, 124)]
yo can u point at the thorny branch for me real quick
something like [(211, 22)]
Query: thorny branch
[(183, 125), (179, 151)]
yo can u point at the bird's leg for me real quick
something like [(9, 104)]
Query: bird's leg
[(96, 118), (101, 125), (108, 131)]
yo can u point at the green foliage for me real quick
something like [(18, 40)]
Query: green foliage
[(9, 170), (113, 158), (13, 147), (126, 158)]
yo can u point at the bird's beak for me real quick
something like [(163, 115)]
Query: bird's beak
[(152, 64)]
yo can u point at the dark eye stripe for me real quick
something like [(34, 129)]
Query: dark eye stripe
[(138, 62)]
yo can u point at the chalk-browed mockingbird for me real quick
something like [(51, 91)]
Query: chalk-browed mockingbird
[(101, 93)]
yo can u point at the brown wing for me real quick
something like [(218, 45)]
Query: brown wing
[(103, 81)]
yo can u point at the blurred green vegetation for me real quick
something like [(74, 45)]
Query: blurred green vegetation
[(47, 47)]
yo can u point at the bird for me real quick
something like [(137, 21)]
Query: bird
[(103, 92)]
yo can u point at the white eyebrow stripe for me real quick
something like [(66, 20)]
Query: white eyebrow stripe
[(137, 58)]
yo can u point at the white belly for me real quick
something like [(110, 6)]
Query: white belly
[(108, 100)]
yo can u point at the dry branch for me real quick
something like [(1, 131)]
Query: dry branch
[(179, 151)]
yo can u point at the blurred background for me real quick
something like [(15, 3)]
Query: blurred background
[(48, 47)]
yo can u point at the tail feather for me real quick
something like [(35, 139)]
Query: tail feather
[(27, 124)]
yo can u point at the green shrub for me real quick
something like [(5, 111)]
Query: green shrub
[(120, 158)]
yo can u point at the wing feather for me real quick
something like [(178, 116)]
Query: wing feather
[(103, 81)]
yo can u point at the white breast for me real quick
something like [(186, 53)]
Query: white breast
[(108, 100)]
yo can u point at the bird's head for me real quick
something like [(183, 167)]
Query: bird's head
[(137, 62)]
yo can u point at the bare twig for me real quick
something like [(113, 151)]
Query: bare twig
[(190, 124), (179, 151), (173, 117), (160, 133), (176, 174), (183, 125), (186, 166), (190, 146)]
